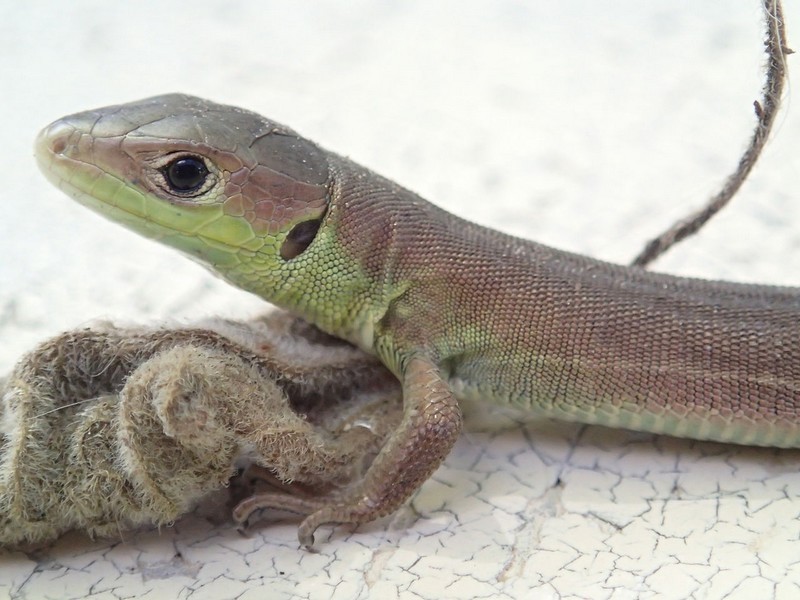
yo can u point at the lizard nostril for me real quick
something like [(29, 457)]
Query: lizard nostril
[(57, 138), (58, 145)]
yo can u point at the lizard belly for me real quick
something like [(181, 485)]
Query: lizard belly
[(656, 414)]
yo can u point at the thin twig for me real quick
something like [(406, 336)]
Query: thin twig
[(766, 110)]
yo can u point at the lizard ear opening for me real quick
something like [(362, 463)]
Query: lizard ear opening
[(299, 238)]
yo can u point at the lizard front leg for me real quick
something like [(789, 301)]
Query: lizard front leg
[(429, 428), (430, 425)]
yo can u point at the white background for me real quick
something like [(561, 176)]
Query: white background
[(583, 124)]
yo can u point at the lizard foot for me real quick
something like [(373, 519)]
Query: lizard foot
[(321, 511), (430, 425), (336, 514)]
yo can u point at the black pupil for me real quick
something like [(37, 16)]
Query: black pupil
[(186, 174)]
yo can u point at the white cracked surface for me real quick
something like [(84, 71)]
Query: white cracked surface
[(584, 124)]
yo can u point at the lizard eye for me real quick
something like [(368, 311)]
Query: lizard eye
[(186, 174)]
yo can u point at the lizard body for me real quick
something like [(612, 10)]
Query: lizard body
[(451, 308)]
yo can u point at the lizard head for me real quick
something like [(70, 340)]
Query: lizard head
[(244, 196)]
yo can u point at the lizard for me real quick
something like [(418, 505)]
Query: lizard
[(453, 309)]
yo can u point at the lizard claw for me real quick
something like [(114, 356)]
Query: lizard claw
[(305, 534), (336, 514)]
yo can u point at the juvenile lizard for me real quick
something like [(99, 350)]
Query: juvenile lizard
[(453, 309)]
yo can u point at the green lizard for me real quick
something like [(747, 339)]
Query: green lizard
[(453, 309)]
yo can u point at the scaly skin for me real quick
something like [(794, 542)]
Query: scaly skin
[(452, 308)]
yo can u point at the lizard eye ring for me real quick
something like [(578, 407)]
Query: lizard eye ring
[(185, 174)]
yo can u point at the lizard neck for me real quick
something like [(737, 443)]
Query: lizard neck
[(344, 281)]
